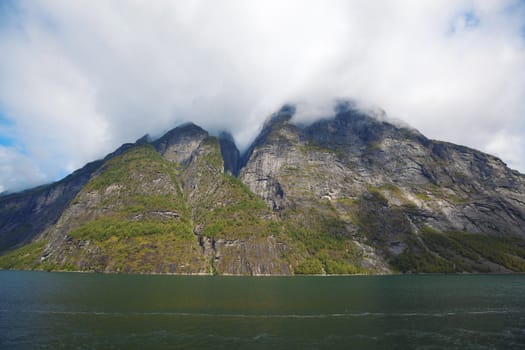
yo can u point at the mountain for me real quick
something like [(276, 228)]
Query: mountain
[(352, 193)]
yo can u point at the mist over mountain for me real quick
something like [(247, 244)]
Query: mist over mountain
[(350, 193), (78, 81)]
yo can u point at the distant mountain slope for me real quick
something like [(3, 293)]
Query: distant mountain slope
[(348, 194), (27, 214)]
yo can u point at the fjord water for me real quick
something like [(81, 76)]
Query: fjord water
[(41, 310)]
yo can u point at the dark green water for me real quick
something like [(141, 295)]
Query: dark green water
[(91, 311)]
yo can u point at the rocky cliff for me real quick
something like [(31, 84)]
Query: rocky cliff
[(27, 214), (352, 193), (419, 204)]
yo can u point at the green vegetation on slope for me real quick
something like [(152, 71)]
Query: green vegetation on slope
[(224, 207), (134, 217), (243, 215), (321, 233), (461, 252), (140, 160), (147, 199), (160, 253), (106, 227), (25, 257), (387, 226)]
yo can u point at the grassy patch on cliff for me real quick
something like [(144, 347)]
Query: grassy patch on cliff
[(224, 207), (138, 196), (416, 258), (309, 266), (29, 257), (154, 253), (504, 251), (381, 223), (25, 257), (240, 213), (135, 166), (315, 147), (324, 237), (103, 228), (160, 253), (460, 252)]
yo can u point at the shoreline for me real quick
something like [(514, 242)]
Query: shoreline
[(269, 275)]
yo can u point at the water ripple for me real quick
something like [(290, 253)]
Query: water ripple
[(269, 316)]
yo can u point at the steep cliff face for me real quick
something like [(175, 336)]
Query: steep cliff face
[(348, 194), (313, 192), (467, 189), (395, 197), (237, 232)]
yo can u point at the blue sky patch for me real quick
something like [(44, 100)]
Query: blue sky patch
[(468, 20), (6, 139), (4, 120), (8, 13), (471, 19)]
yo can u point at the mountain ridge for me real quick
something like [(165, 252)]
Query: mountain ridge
[(347, 194)]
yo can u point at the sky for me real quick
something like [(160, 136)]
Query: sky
[(79, 78)]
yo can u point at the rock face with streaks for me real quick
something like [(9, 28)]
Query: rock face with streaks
[(352, 193), (420, 204)]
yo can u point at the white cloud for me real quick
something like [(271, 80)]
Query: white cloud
[(509, 144), (17, 171), (78, 80)]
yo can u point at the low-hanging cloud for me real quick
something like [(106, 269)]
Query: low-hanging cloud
[(79, 79)]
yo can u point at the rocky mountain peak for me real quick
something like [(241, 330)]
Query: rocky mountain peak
[(276, 123), (178, 144), (143, 140), (282, 116)]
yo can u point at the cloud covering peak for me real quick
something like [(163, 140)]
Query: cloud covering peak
[(79, 79)]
